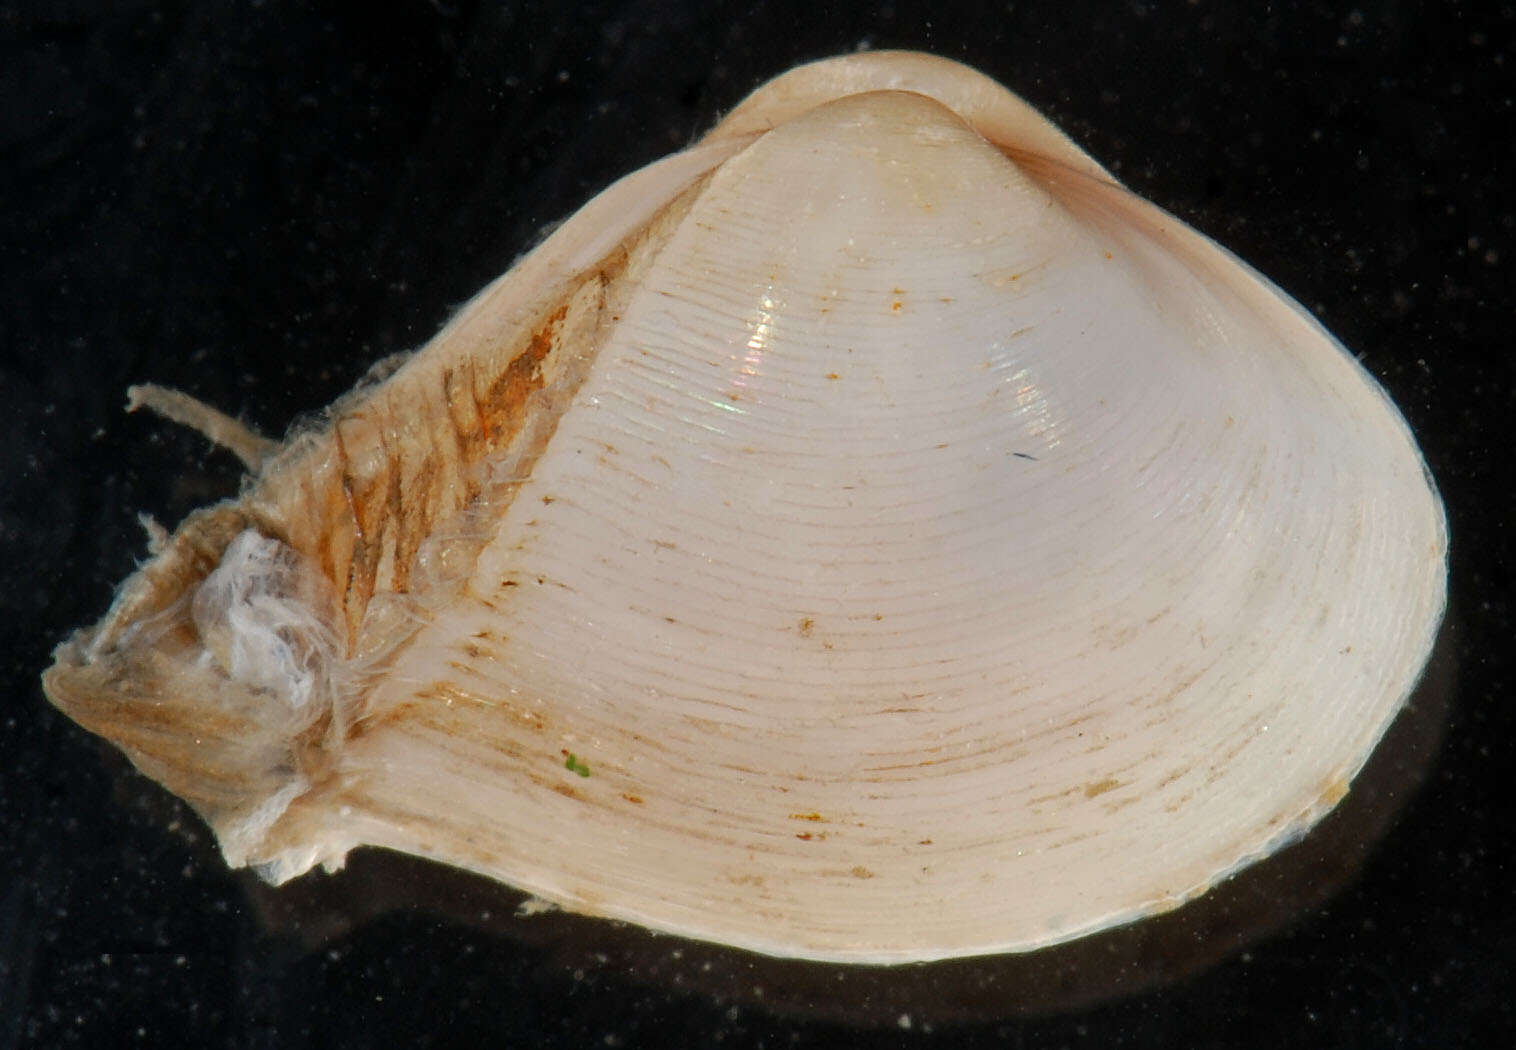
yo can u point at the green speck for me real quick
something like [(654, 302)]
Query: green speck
[(574, 765)]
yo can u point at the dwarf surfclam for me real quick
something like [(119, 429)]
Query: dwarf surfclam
[(871, 534)]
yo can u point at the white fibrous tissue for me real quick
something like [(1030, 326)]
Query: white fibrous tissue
[(262, 618)]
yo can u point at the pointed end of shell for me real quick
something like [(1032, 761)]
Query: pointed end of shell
[(216, 682)]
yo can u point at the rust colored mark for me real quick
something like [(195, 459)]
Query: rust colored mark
[(399, 714), (567, 792), (833, 375), (807, 816), (358, 495), (505, 400), (463, 412), (924, 842), (635, 800), (860, 872), (807, 625), (413, 501), (392, 483), (1334, 791), (1100, 787), (805, 836), (1172, 775), (547, 500), (1108, 255)]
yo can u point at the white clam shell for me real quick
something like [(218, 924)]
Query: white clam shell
[(871, 535)]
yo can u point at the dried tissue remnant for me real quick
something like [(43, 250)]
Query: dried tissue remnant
[(264, 616), (232, 666), (236, 665), (210, 683)]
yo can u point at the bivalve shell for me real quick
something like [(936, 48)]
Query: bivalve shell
[(872, 534)]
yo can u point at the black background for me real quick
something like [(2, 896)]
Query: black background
[(253, 201)]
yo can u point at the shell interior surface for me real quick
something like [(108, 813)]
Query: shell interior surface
[(871, 535)]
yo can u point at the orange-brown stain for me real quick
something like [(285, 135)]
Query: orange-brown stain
[(635, 800), (383, 490), (506, 397), (860, 872), (807, 625), (807, 816), (1334, 791)]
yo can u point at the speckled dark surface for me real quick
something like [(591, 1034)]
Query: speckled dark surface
[(252, 202)]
